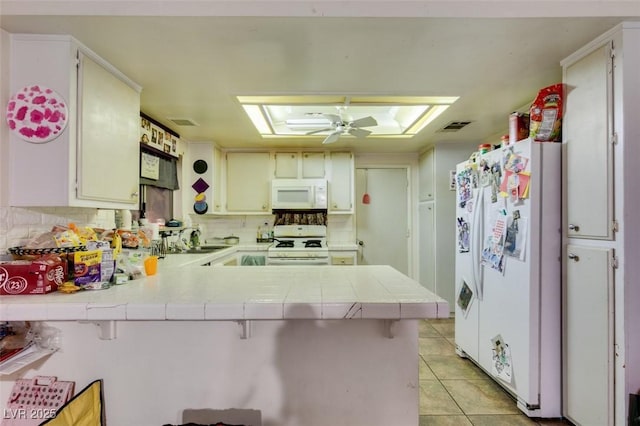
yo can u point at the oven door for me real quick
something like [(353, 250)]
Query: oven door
[(292, 261)]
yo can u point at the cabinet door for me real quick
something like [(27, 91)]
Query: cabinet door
[(313, 165), (108, 157), (217, 180), (426, 176), (427, 244), (341, 183), (588, 336), (248, 182), (286, 165), (587, 131)]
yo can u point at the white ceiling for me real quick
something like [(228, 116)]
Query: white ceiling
[(194, 66)]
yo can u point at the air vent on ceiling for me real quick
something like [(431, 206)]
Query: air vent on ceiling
[(183, 121), (454, 126)]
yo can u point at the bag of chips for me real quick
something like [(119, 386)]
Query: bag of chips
[(546, 115)]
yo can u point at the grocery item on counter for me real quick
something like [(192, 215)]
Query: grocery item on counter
[(26, 277), (87, 269), (546, 114)]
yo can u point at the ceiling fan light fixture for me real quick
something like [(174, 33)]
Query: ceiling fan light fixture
[(307, 123)]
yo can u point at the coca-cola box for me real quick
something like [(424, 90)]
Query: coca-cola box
[(31, 276)]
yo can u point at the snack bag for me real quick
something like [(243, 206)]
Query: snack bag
[(86, 266), (546, 115)]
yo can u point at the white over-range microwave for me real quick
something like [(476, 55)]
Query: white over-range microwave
[(299, 194)]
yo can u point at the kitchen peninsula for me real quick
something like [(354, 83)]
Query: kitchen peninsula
[(303, 345)]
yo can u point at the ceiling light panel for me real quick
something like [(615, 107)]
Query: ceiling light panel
[(286, 116)]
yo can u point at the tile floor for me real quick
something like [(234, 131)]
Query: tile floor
[(455, 392)]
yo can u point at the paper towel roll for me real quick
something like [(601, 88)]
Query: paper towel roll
[(126, 219), (155, 231)]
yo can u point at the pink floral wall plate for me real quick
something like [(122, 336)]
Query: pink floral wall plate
[(37, 114)]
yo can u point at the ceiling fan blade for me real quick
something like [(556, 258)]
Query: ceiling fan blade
[(364, 122), (313, 132), (359, 133), (333, 137)]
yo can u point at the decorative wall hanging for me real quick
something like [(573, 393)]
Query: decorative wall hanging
[(200, 205), (37, 114), (200, 166)]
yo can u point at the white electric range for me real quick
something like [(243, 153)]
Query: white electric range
[(299, 245)]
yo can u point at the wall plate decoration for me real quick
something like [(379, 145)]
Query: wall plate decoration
[(37, 114), (200, 166)]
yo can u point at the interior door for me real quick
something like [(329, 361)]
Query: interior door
[(382, 225)]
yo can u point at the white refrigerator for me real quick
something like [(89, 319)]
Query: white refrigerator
[(508, 271)]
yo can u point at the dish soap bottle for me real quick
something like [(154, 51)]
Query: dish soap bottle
[(259, 234)]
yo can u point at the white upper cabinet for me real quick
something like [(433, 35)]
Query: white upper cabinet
[(286, 165), (313, 165), (426, 176), (94, 161), (341, 183), (306, 165), (248, 182), (589, 136)]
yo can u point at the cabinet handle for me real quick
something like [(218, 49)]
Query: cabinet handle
[(573, 227), (574, 257)]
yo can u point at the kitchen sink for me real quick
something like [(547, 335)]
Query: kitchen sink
[(203, 250)]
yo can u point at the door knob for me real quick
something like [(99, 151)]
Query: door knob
[(573, 227), (574, 257)]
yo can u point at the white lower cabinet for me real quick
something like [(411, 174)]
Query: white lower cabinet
[(345, 258), (427, 248), (588, 330), (94, 161)]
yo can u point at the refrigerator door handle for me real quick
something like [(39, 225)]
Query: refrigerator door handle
[(476, 236)]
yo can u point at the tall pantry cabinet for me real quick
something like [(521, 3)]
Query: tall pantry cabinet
[(94, 161), (601, 276), (437, 205)]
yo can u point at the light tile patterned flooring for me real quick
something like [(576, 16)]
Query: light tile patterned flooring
[(455, 392)]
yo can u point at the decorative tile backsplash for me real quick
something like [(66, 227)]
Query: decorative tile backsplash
[(18, 225)]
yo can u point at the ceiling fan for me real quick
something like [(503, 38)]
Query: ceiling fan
[(340, 127)]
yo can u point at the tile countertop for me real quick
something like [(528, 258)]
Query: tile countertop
[(183, 290)]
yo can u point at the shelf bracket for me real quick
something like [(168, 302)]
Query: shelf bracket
[(245, 329), (108, 330), (389, 326)]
